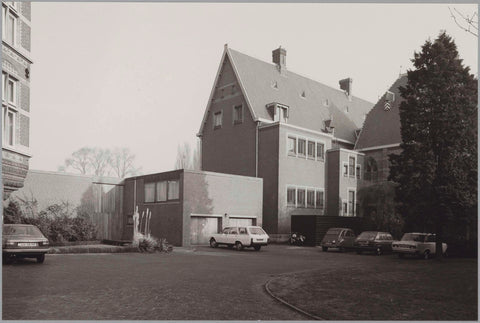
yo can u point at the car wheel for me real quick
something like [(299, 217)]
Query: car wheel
[(324, 248), (41, 259), (238, 246), (213, 243), (400, 255), (257, 248), (378, 251), (426, 254)]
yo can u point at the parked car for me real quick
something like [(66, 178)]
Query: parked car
[(240, 237), (23, 241), (341, 238), (418, 244), (378, 242)]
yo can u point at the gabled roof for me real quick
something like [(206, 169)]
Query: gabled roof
[(256, 80), (382, 126)]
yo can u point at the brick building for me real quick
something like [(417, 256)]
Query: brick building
[(265, 121), (16, 61)]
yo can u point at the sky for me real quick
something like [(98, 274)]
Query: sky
[(139, 75)]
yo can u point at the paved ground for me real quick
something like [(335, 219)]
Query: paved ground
[(208, 284)]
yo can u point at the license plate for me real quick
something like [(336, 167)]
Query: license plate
[(27, 244), (259, 239)]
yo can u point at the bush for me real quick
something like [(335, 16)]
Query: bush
[(58, 222)]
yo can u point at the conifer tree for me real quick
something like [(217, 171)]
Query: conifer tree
[(436, 171)]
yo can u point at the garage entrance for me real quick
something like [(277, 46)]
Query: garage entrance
[(305, 225), (201, 228), (240, 222)]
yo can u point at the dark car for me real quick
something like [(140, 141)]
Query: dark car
[(378, 242), (341, 238), (23, 241)]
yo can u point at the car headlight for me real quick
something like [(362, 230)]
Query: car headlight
[(333, 241), (45, 242), (10, 243)]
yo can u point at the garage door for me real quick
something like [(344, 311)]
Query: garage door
[(201, 228), (234, 222)]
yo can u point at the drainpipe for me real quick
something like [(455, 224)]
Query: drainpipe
[(256, 148), (134, 194)]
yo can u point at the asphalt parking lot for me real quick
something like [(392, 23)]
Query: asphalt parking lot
[(205, 284)]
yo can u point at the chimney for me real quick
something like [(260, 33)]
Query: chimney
[(346, 85), (279, 57)]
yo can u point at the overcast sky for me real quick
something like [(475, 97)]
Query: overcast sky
[(139, 75)]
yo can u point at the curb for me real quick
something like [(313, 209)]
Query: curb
[(290, 305), (90, 249)]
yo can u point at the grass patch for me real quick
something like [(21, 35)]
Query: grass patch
[(386, 289)]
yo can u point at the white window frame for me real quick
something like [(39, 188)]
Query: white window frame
[(4, 85), (354, 211), (323, 194), (304, 189), (358, 171), (354, 165), (344, 207), (214, 119), (288, 150), (298, 146), (316, 150), (343, 169), (12, 101), (290, 187), (306, 197), (8, 14)]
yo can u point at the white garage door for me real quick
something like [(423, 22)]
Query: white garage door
[(234, 222), (201, 228)]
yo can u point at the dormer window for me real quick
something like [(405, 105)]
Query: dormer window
[(279, 112), (275, 85), (303, 95), (326, 103)]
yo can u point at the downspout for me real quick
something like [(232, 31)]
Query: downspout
[(256, 148), (134, 195)]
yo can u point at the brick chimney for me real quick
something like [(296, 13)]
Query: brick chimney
[(346, 85), (279, 57)]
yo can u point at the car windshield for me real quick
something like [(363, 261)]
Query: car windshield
[(413, 237), (367, 235), (333, 232), (22, 231), (256, 231)]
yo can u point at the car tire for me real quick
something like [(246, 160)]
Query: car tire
[(378, 251), (41, 259), (325, 249), (238, 246), (257, 248), (213, 243), (426, 254)]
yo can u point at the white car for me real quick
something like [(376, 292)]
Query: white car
[(240, 237), (418, 244)]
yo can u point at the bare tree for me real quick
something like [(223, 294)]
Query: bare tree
[(80, 160), (122, 162), (469, 23), (184, 156), (100, 161), (197, 162)]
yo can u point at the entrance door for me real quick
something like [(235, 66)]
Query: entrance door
[(201, 228)]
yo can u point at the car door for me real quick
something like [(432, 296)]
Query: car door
[(243, 236), (387, 241), (233, 236), (223, 238)]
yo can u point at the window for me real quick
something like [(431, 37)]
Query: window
[(358, 172), (310, 198), (226, 231), (4, 81), (319, 202), (351, 203), (12, 91), (10, 27), (233, 89), (371, 169), (311, 149), (351, 166), (242, 230), (173, 190), (345, 169), (291, 196), (344, 206), (301, 147), (292, 146), (149, 192), (320, 151), (161, 191), (217, 120), (300, 198), (8, 127), (237, 114)]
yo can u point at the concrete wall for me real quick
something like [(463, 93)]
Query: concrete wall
[(215, 194), (301, 172), (231, 148)]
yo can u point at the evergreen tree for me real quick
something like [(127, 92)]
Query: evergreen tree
[(437, 169)]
